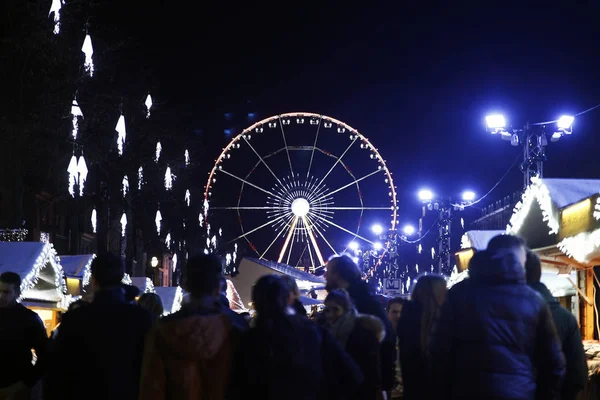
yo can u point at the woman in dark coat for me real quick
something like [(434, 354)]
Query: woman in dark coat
[(414, 329)]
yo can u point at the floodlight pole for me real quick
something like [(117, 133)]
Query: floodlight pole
[(534, 152)]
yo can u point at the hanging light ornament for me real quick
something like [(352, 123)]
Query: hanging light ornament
[(75, 112), (208, 229), (158, 150), (227, 259), (125, 184), (120, 128), (187, 158), (148, 105), (140, 177), (213, 241), (94, 220), (55, 8), (88, 50), (168, 179), (188, 197), (201, 219), (174, 261), (207, 243), (72, 170), (123, 224), (205, 207), (168, 240), (158, 220), (82, 170), (220, 232)]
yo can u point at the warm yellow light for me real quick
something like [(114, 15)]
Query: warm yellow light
[(73, 286), (576, 218)]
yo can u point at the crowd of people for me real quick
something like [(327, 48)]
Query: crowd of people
[(497, 335)]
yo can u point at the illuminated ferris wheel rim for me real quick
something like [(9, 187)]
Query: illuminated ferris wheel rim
[(239, 137)]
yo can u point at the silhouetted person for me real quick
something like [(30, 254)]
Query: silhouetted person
[(394, 311), (107, 335), (567, 327), (296, 303), (189, 353), (495, 338), (152, 303), (343, 273), (20, 331)]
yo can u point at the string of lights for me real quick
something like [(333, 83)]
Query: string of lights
[(576, 115)]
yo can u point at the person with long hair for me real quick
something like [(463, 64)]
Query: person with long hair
[(286, 356), (414, 330)]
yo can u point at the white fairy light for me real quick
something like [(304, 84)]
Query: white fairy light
[(174, 261), (208, 229), (72, 170), (82, 170), (227, 259), (46, 257), (205, 207), (88, 50), (140, 177), (125, 185), (213, 241), (158, 150), (537, 191), (168, 240), (432, 253), (158, 220), (207, 242), (188, 197), (201, 219), (94, 220), (148, 105), (205, 251), (168, 179), (55, 8), (120, 128), (123, 224), (220, 232), (75, 112), (187, 157)]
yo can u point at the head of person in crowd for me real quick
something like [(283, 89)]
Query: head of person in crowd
[(533, 268), (337, 304), (107, 271), (10, 289), (291, 282), (508, 246), (394, 310), (429, 293), (342, 272), (271, 297), (202, 277), (152, 303)]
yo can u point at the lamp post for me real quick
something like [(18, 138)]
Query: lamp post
[(533, 138), (444, 206)]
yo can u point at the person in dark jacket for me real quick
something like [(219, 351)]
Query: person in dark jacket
[(343, 273), (107, 335), (20, 331), (414, 332), (495, 338), (286, 356), (567, 327)]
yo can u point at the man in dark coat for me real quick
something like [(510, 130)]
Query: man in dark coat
[(106, 335), (568, 332), (495, 339), (20, 331), (343, 273)]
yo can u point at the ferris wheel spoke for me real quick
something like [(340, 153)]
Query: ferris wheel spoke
[(292, 243), (339, 159), (312, 260), (281, 231), (346, 230), (350, 184), (249, 208), (271, 222), (316, 229), (261, 159), (301, 255), (249, 183), (313, 241), (287, 150), (287, 239), (349, 208), (312, 153)]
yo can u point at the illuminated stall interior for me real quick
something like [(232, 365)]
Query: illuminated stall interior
[(43, 285)]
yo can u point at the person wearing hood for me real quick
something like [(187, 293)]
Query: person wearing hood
[(495, 338), (189, 353), (568, 332), (107, 333), (343, 273)]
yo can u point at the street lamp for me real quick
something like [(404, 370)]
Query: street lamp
[(154, 262), (533, 138), (353, 246)]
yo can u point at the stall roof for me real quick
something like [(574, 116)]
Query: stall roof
[(288, 270), (143, 283), (78, 266), (478, 240), (39, 268), (171, 298)]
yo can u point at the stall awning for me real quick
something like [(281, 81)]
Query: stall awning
[(171, 298), (39, 268), (478, 240), (78, 267)]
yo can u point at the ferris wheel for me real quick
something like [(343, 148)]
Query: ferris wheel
[(300, 187)]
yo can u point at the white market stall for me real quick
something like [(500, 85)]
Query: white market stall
[(251, 269), (43, 285), (77, 271), (171, 297), (143, 283)]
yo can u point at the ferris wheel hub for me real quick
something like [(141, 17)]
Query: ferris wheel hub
[(300, 207)]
